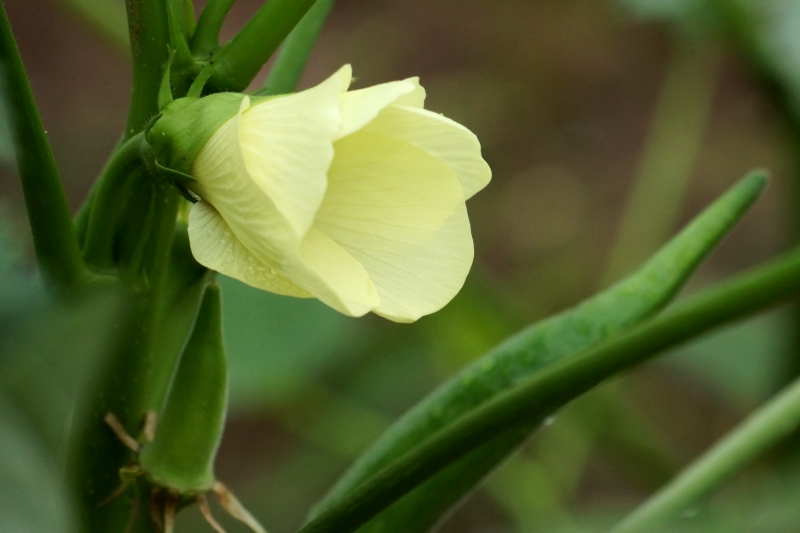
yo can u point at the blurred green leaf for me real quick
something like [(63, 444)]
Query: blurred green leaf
[(50, 354), (743, 363), (50, 357), (277, 344), (33, 494), (521, 356), (107, 17), (761, 430), (682, 10)]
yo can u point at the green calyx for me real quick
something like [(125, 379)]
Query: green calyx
[(183, 127)]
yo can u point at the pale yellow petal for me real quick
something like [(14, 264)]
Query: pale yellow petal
[(224, 182), (345, 77), (415, 98), (400, 212), (286, 146), (215, 246), (334, 276), (361, 106), (441, 137)]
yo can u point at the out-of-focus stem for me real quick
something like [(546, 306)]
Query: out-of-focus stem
[(669, 156), (107, 18), (54, 239), (763, 429)]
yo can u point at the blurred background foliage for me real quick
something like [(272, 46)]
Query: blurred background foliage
[(607, 124)]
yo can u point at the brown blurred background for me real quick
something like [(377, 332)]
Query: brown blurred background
[(574, 102)]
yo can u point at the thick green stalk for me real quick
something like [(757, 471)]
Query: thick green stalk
[(149, 35), (557, 384), (243, 57), (54, 238), (136, 362), (763, 429), (296, 50), (205, 40)]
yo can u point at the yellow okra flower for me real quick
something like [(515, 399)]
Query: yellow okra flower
[(356, 198)]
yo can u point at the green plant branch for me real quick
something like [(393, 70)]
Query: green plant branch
[(540, 395), (763, 429), (205, 40), (240, 61), (104, 213), (54, 239), (149, 38), (296, 50)]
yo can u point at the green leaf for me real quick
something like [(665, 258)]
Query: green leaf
[(50, 355), (523, 355), (33, 494), (303, 336)]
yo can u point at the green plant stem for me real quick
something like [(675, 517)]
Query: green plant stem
[(763, 429), (557, 384), (54, 238), (205, 40), (134, 369), (104, 212), (296, 50), (149, 35), (240, 61)]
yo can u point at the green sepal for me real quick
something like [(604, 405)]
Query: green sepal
[(184, 127), (196, 89), (165, 90), (181, 455)]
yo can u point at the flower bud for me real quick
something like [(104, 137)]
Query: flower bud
[(356, 198)]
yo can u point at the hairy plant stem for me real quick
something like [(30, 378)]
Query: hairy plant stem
[(557, 384), (149, 35)]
